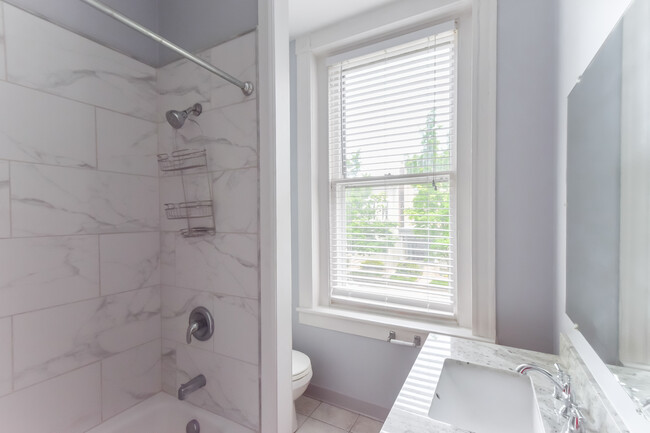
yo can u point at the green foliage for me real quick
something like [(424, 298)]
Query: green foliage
[(430, 211), (407, 272), (368, 232)]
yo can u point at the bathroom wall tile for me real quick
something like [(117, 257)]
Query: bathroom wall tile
[(130, 377), (225, 264), (238, 57), (81, 333), (231, 312), (2, 44), (5, 356), (44, 272), (169, 367), (49, 200), (232, 388), (182, 84), (5, 209), (83, 70), (229, 134), (69, 403), (236, 200), (129, 261), (177, 303), (126, 144), (168, 258), (65, 134)]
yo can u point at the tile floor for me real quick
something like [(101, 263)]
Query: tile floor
[(318, 417)]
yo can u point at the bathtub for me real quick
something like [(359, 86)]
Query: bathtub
[(163, 413)]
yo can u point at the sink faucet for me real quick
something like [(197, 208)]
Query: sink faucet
[(562, 392), (191, 386), (562, 381)]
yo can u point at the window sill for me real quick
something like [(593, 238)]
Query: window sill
[(377, 326)]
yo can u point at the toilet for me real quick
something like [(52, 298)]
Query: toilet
[(301, 375)]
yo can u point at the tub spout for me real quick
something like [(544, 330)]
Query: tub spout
[(191, 386)]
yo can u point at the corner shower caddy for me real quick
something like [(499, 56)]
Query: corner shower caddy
[(198, 214)]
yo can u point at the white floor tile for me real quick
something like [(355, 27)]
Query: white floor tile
[(301, 419), (366, 425), (315, 426), (336, 416), (306, 405)]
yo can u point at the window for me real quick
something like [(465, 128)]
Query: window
[(395, 188), (392, 176)]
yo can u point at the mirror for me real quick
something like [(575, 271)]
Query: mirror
[(608, 204)]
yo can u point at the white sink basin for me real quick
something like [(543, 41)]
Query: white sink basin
[(485, 400)]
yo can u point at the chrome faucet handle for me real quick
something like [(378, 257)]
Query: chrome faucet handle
[(565, 379), (201, 325), (575, 422), (191, 330)]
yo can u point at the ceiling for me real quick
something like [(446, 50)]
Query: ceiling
[(308, 15)]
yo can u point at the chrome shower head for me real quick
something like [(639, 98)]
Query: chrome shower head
[(177, 118)]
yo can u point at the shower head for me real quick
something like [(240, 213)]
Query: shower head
[(177, 118)]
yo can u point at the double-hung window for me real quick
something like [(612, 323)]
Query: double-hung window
[(395, 121), (392, 146)]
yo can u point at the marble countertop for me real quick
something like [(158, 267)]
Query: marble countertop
[(409, 412)]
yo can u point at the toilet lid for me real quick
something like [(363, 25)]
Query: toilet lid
[(300, 365)]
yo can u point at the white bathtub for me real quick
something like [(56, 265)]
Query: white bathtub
[(163, 413)]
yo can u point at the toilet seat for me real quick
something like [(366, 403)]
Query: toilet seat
[(300, 365)]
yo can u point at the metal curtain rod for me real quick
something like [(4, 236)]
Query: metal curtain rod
[(246, 87)]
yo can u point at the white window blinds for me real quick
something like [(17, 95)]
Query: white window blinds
[(392, 196)]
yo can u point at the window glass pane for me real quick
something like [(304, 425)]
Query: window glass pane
[(391, 145)]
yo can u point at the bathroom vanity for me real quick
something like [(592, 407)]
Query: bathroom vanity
[(410, 412)]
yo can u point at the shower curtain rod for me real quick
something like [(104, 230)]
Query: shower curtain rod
[(246, 87)]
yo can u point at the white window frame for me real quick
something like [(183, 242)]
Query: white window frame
[(476, 167)]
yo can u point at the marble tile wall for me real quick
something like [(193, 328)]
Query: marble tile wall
[(80, 274), (219, 272)]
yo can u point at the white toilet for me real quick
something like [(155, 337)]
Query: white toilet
[(301, 375)]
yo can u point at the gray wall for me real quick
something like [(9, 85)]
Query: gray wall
[(593, 199), (195, 25), (371, 370)]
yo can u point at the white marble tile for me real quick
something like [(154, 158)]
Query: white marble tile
[(336, 416), (229, 134), (232, 388), (81, 333), (43, 128), (44, 56), (366, 425), (238, 57), (2, 44), (182, 84), (306, 405), (231, 312), (168, 258), (169, 367), (49, 200), (126, 144), (236, 201), (130, 377), (226, 264), (129, 261), (5, 209), (44, 272), (69, 403), (177, 303), (315, 426), (5, 356)]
